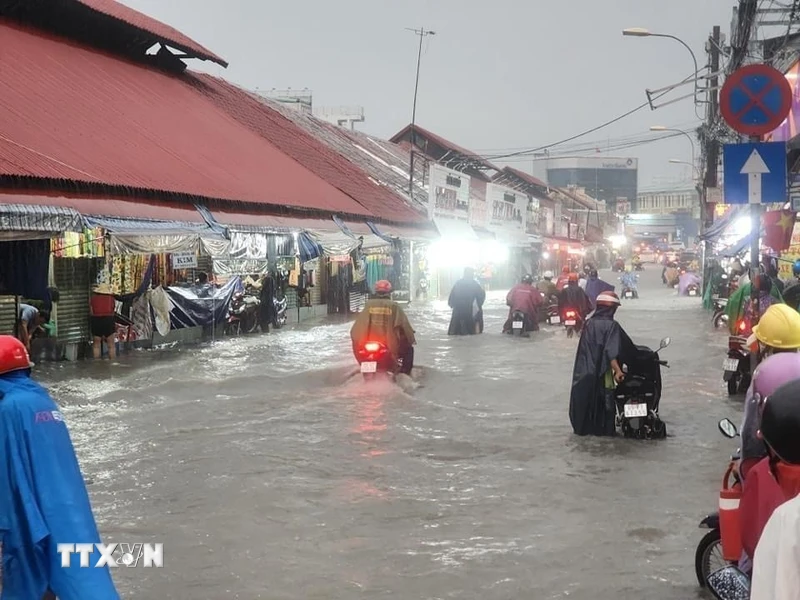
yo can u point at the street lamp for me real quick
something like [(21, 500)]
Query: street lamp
[(422, 33), (642, 32), (691, 141)]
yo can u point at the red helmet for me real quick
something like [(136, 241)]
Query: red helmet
[(565, 270), (573, 277), (13, 355), (383, 287)]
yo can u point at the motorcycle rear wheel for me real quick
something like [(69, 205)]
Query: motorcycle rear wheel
[(708, 557)]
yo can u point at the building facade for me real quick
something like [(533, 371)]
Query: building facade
[(612, 180), (668, 201)]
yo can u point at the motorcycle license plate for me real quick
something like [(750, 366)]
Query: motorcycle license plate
[(633, 411), (629, 294), (369, 367), (692, 293), (731, 364), (570, 323), (555, 320), (517, 324)]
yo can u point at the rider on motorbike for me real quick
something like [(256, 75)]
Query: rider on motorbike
[(563, 279), (383, 320), (527, 299), (574, 297), (776, 478), (778, 337), (629, 281), (546, 285)]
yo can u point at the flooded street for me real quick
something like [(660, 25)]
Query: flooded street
[(270, 469)]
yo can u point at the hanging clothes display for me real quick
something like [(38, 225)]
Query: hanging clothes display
[(379, 267), (72, 244), (124, 273)]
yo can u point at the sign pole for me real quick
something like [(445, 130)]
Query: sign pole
[(754, 194)]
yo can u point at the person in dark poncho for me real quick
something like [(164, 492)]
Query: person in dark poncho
[(466, 300), (602, 350), (573, 297), (596, 286)]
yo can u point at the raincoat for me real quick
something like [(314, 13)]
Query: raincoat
[(775, 570), (43, 500), (548, 288), (575, 298), (525, 298), (629, 280), (591, 408), (466, 296), (685, 280), (737, 303), (383, 320), (596, 286)]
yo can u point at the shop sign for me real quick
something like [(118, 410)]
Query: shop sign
[(448, 194), (184, 260), (509, 210)]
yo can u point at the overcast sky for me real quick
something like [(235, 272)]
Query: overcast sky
[(499, 74)]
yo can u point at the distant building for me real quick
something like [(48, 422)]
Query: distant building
[(612, 180), (668, 201)]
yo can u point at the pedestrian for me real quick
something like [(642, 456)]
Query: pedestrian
[(43, 498), (102, 321), (267, 302), (29, 319), (602, 351), (466, 300)]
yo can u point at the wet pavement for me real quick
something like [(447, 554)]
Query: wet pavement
[(270, 469)]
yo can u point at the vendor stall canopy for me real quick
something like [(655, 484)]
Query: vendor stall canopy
[(127, 129)]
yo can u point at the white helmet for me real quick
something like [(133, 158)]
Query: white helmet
[(548, 274)]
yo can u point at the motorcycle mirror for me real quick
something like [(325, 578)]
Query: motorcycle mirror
[(728, 429), (665, 342), (729, 583)]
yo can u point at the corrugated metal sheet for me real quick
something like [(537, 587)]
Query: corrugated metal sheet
[(169, 35), (308, 151), (7, 315), (27, 217), (124, 125), (72, 277)]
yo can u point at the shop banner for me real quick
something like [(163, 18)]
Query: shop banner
[(448, 194), (184, 260), (509, 211)]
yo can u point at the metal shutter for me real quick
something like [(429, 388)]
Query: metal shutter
[(73, 276), (7, 316)]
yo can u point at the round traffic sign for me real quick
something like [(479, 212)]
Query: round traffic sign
[(755, 99)]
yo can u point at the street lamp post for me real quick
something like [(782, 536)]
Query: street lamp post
[(641, 32), (667, 129), (422, 33)]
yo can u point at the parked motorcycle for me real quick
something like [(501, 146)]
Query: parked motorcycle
[(639, 395), (243, 314), (737, 371), (709, 555), (720, 318)]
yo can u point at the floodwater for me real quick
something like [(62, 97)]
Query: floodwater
[(270, 469)]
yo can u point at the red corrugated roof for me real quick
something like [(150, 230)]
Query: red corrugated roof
[(168, 35), (444, 143), (310, 152), (70, 113)]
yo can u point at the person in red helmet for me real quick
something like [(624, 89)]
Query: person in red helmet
[(43, 498), (527, 299), (574, 298), (384, 320), (563, 279), (602, 350)]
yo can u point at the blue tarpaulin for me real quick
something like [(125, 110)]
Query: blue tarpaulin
[(201, 306), (308, 248)]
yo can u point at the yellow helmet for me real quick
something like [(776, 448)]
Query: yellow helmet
[(779, 327)]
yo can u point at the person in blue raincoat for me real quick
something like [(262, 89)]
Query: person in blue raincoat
[(43, 498)]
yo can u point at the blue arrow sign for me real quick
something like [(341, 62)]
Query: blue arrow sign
[(755, 173)]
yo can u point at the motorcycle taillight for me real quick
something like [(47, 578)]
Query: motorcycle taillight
[(571, 313), (372, 346)]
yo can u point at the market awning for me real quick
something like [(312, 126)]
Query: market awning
[(362, 234), (36, 221), (414, 234), (453, 228), (719, 226), (737, 248)]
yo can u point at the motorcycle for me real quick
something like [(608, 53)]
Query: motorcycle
[(693, 290), (519, 322), (553, 316), (737, 371), (709, 555), (638, 266), (628, 293), (422, 288), (639, 395), (720, 318), (243, 314), (619, 266), (572, 322), (729, 583), (280, 312), (374, 358)]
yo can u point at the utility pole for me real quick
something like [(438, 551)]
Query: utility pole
[(422, 33), (710, 140)]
